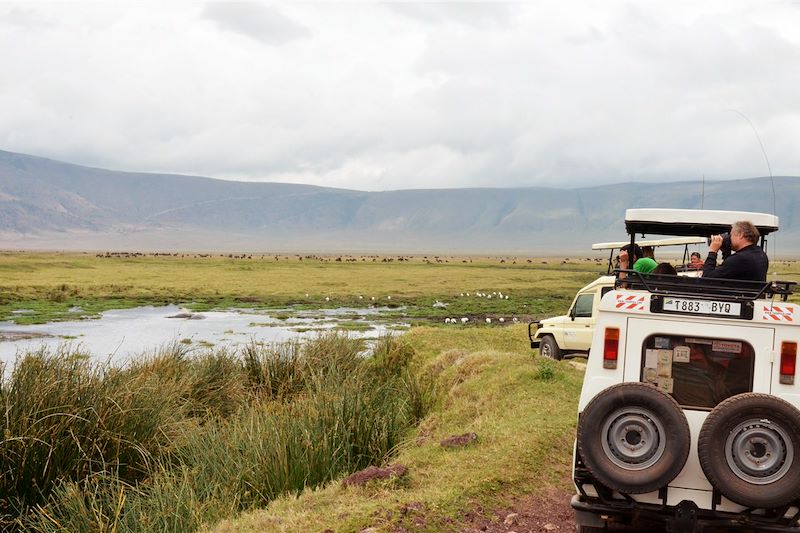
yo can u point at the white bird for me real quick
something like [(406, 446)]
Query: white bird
[(516, 320), (373, 298), (360, 297), (506, 297), (306, 295), (462, 294), (464, 320), (327, 299), (446, 320), (489, 296), (467, 294), (388, 297), (488, 320), (501, 319)]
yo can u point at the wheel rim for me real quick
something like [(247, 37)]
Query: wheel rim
[(759, 451), (546, 350), (633, 439)]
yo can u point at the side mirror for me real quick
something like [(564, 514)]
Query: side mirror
[(572, 314)]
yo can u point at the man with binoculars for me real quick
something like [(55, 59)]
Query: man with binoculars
[(749, 262)]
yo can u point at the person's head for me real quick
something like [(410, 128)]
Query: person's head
[(665, 268), (695, 257), (637, 252), (743, 233), (649, 251)]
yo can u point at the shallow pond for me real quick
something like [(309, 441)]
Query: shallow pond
[(120, 334)]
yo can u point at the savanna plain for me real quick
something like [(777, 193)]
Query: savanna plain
[(261, 437)]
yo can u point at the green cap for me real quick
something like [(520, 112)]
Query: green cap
[(645, 265)]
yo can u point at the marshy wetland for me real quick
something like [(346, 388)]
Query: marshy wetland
[(257, 435)]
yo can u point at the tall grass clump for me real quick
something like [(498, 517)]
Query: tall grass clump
[(66, 419), (274, 372), (234, 432)]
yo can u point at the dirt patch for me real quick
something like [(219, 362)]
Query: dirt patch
[(548, 512), (362, 477), (459, 441)]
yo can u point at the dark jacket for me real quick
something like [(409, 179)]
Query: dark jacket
[(749, 263)]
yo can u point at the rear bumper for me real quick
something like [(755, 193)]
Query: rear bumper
[(684, 517)]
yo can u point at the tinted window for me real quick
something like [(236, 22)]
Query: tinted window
[(699, 372), (583, 305)]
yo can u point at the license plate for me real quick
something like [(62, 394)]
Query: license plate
[(702, 307)]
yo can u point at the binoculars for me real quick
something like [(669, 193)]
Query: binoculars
[(726, 244)]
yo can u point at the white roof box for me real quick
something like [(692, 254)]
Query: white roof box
[(693, 222)]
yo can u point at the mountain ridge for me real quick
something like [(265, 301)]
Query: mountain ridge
[(44, 202)]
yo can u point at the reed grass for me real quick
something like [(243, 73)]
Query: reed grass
[(178, 439)]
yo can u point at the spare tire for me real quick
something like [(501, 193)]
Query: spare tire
[(749, 449), (633, 438)]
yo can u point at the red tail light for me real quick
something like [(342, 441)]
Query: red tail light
[(611, 348), (788, 362)]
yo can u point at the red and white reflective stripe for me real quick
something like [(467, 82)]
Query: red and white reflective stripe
[(630, 302), (779, 313)]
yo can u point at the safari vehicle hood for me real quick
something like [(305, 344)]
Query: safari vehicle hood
[(554, 321)]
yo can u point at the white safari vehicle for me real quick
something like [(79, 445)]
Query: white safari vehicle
[(688, 418), (573, 332)]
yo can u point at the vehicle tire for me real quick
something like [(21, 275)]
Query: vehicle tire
[(549, 348), (749, 449), (633, 438)]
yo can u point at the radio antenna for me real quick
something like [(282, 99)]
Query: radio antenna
[(763, 151), (702, 191), (769, 169)]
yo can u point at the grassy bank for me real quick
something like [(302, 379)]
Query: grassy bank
[(177, 443), (171, 441), (521, 407)]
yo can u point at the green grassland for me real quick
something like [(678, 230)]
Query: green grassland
[(60, 286), (52, 286)]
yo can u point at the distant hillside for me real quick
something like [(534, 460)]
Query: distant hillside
[(50, 204)]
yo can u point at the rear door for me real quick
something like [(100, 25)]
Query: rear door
[(741, 355), (699, 364)]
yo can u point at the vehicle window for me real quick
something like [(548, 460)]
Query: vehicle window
[(583, 305), (699, 372)]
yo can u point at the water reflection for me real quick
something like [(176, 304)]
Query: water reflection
[(121, 334)]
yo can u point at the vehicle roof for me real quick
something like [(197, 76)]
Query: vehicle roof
[(673, 241), (693, 222)]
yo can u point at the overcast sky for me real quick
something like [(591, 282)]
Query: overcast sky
[(407, 95)]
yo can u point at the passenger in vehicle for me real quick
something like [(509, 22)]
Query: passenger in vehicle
[(642, 264), (749, 262), (696, 261), (665, 268)]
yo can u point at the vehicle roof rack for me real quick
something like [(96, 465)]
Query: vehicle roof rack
[(693, 222), (730, 289)]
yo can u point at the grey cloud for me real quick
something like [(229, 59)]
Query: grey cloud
[(474, 14), (257, 21), (28, 18)]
